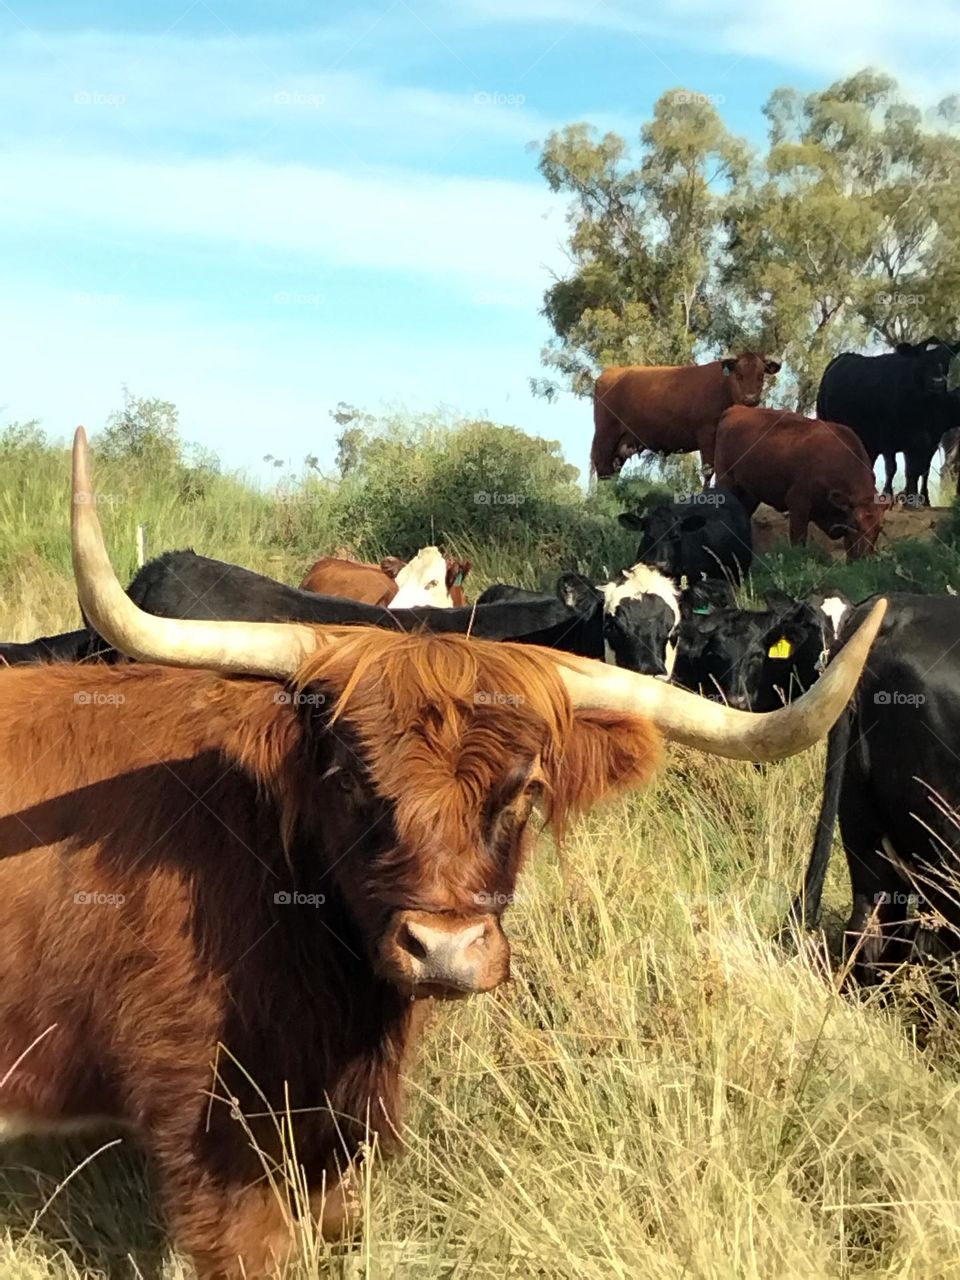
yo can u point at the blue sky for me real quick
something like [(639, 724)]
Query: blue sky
[(259, 209)]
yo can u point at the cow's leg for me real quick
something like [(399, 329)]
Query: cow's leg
[(909, 494), (233, 1233), (879, 936), (230, 1208), (707, 443), (799, 507), (878, 932), (890, 470)]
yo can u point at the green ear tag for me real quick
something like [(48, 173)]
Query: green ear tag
[(782, 649)]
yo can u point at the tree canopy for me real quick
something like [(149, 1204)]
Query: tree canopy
[(844, 231)]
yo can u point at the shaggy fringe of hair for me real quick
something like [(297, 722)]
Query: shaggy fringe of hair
[(437, 714)]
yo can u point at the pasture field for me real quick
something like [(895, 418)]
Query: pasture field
[(661, 1091)]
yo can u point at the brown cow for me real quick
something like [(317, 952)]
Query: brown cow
[(220, 896), (428, 579), (669, 408), (814, 470)]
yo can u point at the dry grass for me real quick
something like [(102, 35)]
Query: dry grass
[(660, 1092)]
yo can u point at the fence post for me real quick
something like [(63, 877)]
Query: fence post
[(141, 545)]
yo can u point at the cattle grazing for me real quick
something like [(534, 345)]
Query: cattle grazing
[(222, 895), (429, 579), (815, 471), (669, 408), (755, 660), (701, 535), (900, 402), (891, 777)]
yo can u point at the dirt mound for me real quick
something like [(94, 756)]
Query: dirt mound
[(770, 528)]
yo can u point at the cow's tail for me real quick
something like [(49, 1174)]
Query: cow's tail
[(806, 906)]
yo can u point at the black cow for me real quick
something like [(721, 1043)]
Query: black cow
[(181, 584), (900, 402), (893, 780), (702, 535), (754, 660), (83, 645)]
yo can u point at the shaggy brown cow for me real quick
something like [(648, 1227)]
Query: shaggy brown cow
[(428, 579), (669, 408), (814, 470), (219, 895)]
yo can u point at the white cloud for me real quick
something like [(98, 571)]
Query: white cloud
[(917, 46), (470, 233), (262, 93)]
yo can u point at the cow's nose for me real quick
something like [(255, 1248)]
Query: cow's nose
[(442, 954)]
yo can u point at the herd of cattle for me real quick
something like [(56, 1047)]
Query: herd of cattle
[(817, 470), (245, 826)]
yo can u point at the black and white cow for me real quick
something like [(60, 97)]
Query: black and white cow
[(641, 613)]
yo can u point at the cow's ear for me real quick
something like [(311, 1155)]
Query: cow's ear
[(773, 367), (798, 620), (729, 364), (630, 520), (604, 752), (577, 592), (391, 565), (457, 570)]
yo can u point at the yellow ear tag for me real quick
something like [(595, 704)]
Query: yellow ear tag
[(782, 649)]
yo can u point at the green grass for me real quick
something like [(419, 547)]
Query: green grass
[(659, 1092)]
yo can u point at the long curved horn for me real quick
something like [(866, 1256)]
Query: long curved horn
[(250, 648), (686, 717)]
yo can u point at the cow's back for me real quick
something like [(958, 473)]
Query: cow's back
[(331, 576), (662, 399), (768, 453), (868, 394)]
